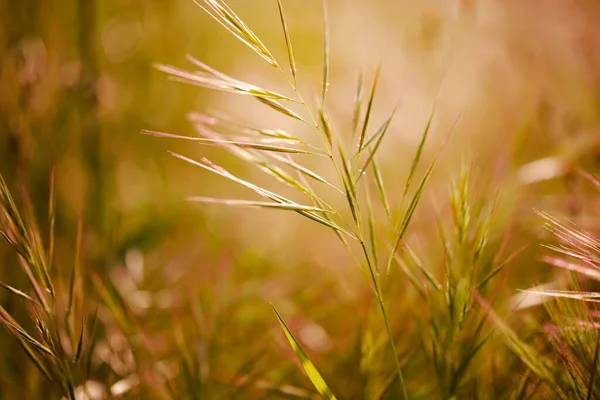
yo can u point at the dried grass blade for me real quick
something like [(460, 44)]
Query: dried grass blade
[(288, 42), (256, 146), (528, 355), (225, 16), (379, 134), (291, 163), (17, 330), (381, 188), (349, 186), (281, 108), (372, 233), (18, 292), (218, 81), (261, 191), (25, 345), (325, 125), (357, 103), (79, 346), (260, 161), (326, 53), (594, 369), (256, 204), (310, 369)]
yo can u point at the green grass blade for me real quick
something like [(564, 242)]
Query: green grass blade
[(401, 231), (349, 186), (529, 356), (417, 157), (79, 346), (381, 188), (325, 125), (357, 104), (372, 233), (594, 369), (310, 369), (365, 126), (380, 134)]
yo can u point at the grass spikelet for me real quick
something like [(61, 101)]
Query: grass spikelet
[(365, 125), (282, 109), (288, 42), (326, 53), (418, 153), (225, 16)]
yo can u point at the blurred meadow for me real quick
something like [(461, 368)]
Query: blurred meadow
[(480, 122)]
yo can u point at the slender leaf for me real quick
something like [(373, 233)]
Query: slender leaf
[(326, 53), (310, 369), (256, 204), (288, 41), (365, 126)]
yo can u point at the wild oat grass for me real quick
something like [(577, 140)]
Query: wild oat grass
[(439, 316)]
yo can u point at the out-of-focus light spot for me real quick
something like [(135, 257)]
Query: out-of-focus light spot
[(134, 260), (315, 337), (541, 170), (121, 39), (124, 385), (90, 390)]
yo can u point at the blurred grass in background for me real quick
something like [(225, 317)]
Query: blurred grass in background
[(77, 85)]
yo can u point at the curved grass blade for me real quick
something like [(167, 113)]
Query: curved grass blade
[(310, 369), (288, 42)]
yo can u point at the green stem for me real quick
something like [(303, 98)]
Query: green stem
[(379, 295)]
